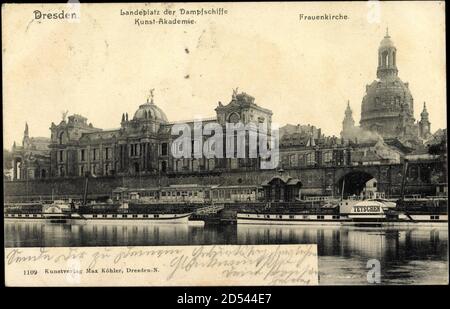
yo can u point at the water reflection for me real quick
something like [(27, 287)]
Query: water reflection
[(414, 255), (38, 234)]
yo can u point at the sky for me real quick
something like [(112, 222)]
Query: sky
[(304, 71)]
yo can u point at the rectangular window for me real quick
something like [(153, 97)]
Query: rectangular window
[(82, 155), (327, 157), (107, 153), (61, 155), (309, 159), (227, 194), (293, 161), (164, 148), (94, 154)]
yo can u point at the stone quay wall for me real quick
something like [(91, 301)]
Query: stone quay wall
[(318, 181)]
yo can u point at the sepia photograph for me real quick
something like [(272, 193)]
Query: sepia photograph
[(225, 144)]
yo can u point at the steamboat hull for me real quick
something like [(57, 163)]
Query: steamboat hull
[(48, 218), (320, 220), (144, 219)]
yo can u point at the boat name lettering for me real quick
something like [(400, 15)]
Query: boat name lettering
[(366, 208)]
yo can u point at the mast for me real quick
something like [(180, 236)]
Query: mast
[(405, 169), (85, 189)]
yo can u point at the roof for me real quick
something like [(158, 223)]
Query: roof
[(386, 42), (151, 112), (101, 134), (369, 156), (288, 180)]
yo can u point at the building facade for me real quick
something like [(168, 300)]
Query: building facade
[(144, 144), (32, 159)]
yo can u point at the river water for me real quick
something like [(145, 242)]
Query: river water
[(406, 256)]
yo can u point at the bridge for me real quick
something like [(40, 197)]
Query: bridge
[(422, 178)]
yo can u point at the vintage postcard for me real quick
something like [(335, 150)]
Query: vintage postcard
[(225, 144)]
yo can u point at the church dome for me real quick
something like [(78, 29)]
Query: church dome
[(149, 111), (386, 42), (386, 98), (388, 107)]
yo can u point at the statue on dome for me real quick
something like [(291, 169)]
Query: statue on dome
[(150, 96), (235, 92), (64, 115)]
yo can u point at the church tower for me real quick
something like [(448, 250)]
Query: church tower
[(387, 53), (424, 123), (26, 137), (348, 124), (388, 106)]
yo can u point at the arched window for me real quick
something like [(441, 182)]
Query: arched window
[(393, 58), (385, 56), (61, 137), (234, 118)]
